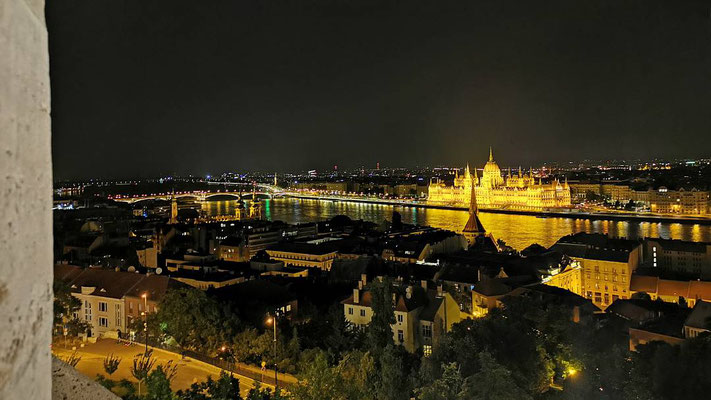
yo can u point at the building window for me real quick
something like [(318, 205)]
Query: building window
[(400, 335), (130, 306), (118, 314), (362, 313), (103, 321), (427, 331), (399, 318), (87, 310), (350, 310), (427, 350), (103, 306)]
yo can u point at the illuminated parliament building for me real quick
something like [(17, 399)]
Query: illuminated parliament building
[(494, 191)]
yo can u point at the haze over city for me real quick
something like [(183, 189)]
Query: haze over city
[(142, 89)]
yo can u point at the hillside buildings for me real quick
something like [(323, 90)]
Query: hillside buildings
[(422, 315), (661, 200), (606, 265)]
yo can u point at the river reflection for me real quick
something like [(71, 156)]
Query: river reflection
[(519, 231)]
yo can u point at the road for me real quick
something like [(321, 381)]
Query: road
[(189, 370)]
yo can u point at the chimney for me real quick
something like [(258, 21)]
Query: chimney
[(478, 274), (364, 279), (408, 292), (360, 285), (424, 284), (356, 296), (439, 290), (394, 298)]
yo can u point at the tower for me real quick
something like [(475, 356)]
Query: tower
[(173, 209), (255, 207), (275, 180), (473, 228)]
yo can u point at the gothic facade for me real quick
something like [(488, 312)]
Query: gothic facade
[(496, 191)]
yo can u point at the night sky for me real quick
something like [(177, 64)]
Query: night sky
[(147, 87)]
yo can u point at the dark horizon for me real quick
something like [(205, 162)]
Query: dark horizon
[(147, 89)]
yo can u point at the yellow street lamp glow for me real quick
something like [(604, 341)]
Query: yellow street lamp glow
[(572, 371), (269, 320), (224, 348)]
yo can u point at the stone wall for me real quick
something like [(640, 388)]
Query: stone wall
[(25, 202)]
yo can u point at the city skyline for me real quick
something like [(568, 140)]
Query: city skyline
[(191, 89)]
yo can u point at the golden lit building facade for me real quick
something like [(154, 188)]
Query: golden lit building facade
[(493, 190), (569, 278)]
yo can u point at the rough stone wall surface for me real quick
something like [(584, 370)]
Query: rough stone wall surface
[(70, 384), (25, 202)]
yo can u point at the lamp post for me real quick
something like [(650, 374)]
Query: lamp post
[(273, 321), (145, 319)]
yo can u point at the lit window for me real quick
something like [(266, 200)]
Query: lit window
[(399, 318), (427, 350)]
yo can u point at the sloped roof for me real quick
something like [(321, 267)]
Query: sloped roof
[(643, 283), (433, 305), (681, 245), (66, 272), (109, 283), (459, 273), (639, 309), (492, 287), (699, 317)]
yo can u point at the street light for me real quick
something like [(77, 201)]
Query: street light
[(273, 322), (145, 319)]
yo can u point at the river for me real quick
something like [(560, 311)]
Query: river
[(518, 231)]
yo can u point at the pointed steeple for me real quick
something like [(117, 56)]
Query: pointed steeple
[(491, 154), (473, 227), (467, 174), (520, 174)]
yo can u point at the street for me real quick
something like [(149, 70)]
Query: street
[(189, 370)]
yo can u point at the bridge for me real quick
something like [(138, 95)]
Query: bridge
[(202, 195)]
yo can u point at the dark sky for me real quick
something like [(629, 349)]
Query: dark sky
[(148, 87)]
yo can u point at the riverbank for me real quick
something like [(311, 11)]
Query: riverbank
[(576, 214)]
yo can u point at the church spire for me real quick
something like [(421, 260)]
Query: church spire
[(467, 174), (473, 228), (491, 154)]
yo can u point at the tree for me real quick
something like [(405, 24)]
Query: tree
[(196, 321), (641, 296), (318, 382), (448, 387), (493, 381), (380, 333), (142, 365), (226, 387), (111, 364), (259, 393), (393, 384), (158, 385), (72, 359), (65, 305)]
